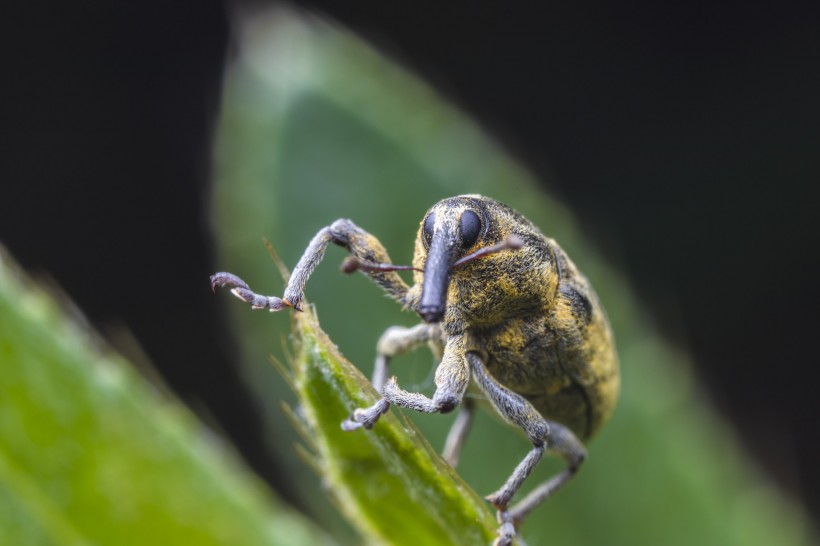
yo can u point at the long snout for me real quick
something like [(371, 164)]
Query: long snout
[(440, 258)]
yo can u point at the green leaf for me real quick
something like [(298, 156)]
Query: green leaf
[(92, 454), (389, 480)]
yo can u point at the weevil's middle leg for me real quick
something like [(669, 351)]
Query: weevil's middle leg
[(541, 432), (361, 245), (458, 432), (563, 442), (517, 411)]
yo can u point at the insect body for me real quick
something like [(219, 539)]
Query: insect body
[(502, 305)]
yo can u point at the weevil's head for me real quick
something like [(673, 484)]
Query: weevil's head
[(450, 235)]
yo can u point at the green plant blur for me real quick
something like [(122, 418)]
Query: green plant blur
[(90, 453)]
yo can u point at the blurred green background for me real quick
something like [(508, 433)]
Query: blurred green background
[(109, 135), (318, 126)]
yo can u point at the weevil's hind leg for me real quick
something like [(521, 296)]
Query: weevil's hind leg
[(361, 245), (517, 411), (397, 340), (458, 432), (452, 377), (563, 442)]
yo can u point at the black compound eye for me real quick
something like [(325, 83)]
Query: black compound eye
[(429, 222), (470, 228)]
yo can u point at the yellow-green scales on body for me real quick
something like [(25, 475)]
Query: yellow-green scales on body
[(505, 309)]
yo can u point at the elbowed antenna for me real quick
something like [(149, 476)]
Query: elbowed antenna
[(512, 242)]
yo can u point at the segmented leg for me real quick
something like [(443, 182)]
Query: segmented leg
[(241, 290), (361, 245), (563, 442), (517, 411), (458, 432), (397, 340), (452, 376)]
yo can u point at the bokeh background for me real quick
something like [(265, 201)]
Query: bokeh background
[(148, 145)]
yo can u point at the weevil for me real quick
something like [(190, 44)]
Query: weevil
[(502, 305)]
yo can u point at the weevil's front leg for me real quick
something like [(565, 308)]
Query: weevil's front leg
[(397, 340), (452, 377), (517, 411), (241, 290), (361, 245)]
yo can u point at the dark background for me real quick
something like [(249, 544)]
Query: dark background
[(686, 137)]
